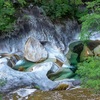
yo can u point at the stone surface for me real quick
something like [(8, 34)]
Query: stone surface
[(11, 79), (56, 53), (23, 65), (37, 25), (97, 51), (85, 53), (34, 51)]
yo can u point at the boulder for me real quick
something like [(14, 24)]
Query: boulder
[(11, 79), (97, 51), (34, 51), (85, 53)]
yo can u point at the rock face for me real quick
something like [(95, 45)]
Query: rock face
[(40, 27), (11, 79), (34, 51)]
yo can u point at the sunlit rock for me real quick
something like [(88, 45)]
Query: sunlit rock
[(34, 51), (85, 53), (97, 51)]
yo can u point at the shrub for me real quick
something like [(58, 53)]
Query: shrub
[(7, 14), (91, 21), (89, 72)]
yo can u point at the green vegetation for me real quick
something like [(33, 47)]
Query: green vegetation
[(91, 21), (89, 72), (7, 14), (55, 9)]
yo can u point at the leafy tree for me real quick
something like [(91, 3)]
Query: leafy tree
[(91, 21), (7, 14)]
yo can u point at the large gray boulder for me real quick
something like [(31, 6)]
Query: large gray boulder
[(34, 51), (11, 79)]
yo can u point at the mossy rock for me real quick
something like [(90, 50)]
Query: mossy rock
[(62, 87), (85, 53)]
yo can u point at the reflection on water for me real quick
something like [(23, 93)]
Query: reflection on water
[(76, 94)]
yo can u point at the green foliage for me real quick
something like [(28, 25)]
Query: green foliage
[(89, 72), (7, 14), (56, 8), (22, 2), (91, 21)]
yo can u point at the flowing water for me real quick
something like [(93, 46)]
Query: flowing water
[(60, 34)]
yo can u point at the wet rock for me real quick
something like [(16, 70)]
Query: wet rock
[(62, 73), (54, 68), (23, 65), (55, 53), (13, 79), (12, 58), (34, 51)]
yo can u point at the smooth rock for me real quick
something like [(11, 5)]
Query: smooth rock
[(56, 53), (97, 51), (34, 51), (24, 92), (12, 58), (13, 79)]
